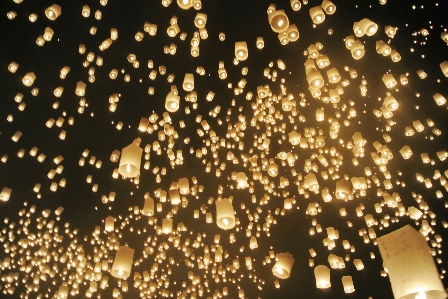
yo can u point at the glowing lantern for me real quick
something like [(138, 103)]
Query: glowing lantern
[(172, 102), (148, 206), (185, 4), (283, 265), (317, 14), (174, 196), (80, 89), (278, 20), (315, 79), (12, 67), (347, 283), (85, 11), (28, 79), (130, 160), (368, 27), (390, 31), (389, 80), (241, 52), (293, 33), (343, 189), (395, 56), (109, 224), (390, 103), (53, 12), (5, 194), (411, 268), (173, 30), (260, 42), (225, 217), (184, 186), (444, 67), (121, 268), (322, 276), (167, 225), (333, 75), (329, 7), (188, 84), (200, 20), (382, 48), (295, 5), (357, 50), (440, 100)]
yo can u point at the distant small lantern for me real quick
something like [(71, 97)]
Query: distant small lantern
[(225, 216), (122, 265), (130, 160), (12, 67), (283, 265)]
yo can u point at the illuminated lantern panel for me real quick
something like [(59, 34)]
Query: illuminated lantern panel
[(225, 217), (283, 265), (279, 21), (122, 265), (130, 160), (322, 276)]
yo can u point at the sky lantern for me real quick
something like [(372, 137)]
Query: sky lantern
[(225, 217), (185, 4), (188, 84), (172, 102), (317, 14), (241, 52), (53, 12), (283, 265), (122, 265), (278, 20), (411, 268), (130, 159), (322, 276)]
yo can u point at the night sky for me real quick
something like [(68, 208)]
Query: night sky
[(238, 125)]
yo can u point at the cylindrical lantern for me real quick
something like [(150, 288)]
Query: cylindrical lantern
[(357, 49), (167, 225), (80, 89), (130, 160), (322, 275), (53, 12), (188, 84), (200, 20), (410, 265), (279, 21), (121, 268), (241, 52), (347, 283), (28, 79), (109, 224), (174, 196), (343, 189), (283, 265), (315, 79), (148, 206), (172, 102), (317, 14), (185, 4), (225, 217), (5, 194), (329, 7)]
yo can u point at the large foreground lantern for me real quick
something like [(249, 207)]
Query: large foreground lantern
[(283, 265), (241, 52), (122, 265), (131, 159), (322, 275), (411, 268), (279, 21), (225, 216)]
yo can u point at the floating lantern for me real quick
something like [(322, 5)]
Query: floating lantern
[(188, 84), (122, 265), (130, 160), (278, 20), (225, 217), (53, 12), (241, 52), (317, 14), (172, 102), (283, 265), (322, 276)]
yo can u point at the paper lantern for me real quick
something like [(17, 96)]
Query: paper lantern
[(260, 42), (148, 206), (173, 30), (411, 268), (390, 103), (292, 32), (167, 225), (357, 50), (200, 20), (295, 5), (28, 79), (172, 102), (174, 196), (225, 217), (333, 75), (395, 56), (278, 20), (85, 11), (12, 67), (130, 160), (368, 27), (440, 99), (382, 48), (241, 52), (389, 80), (329, 7), (188, 84), (109, 224), (317, 14), (5, 194), (80, 89), (343, 189), (283, 265), (53, 12), (322, 276), (444, 67), (315, 79), (121, 268), (347, 283), (185, 4)]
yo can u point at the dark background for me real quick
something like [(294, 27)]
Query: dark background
[(95, 130)]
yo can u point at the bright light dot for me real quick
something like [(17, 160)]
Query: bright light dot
[(421, 295)]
